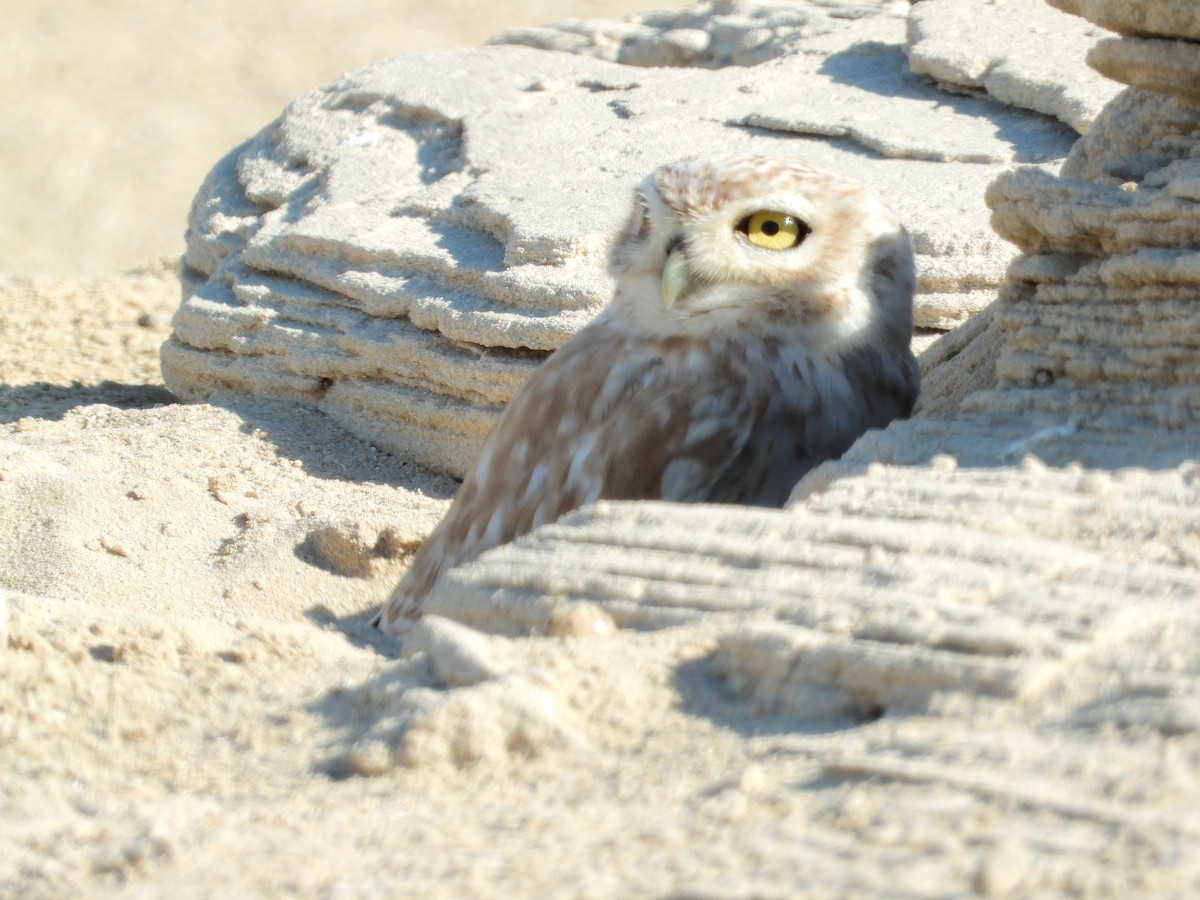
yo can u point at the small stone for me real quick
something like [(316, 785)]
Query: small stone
[(943, 462), (370, 758), (580, 620), (354, 548), (1001, 870), (114, 547)]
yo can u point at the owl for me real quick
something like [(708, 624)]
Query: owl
[(760, 323)]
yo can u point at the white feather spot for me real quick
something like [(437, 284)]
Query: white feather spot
[(680, 478), (587, 443), (483, 465), (568, 426), (536, 479), (495, 526), (707, 407), (473, 533), (701, 430), (697, 358)]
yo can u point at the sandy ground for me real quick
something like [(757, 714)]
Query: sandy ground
[(192, 700), (157, 557)]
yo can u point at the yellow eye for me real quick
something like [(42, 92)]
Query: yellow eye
[(774, 230)]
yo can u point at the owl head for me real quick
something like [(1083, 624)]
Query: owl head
[(725, 241)]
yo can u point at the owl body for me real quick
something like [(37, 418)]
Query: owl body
[(760, 324)]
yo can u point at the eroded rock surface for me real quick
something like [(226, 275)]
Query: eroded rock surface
[(1162, 18), (712, 34), (1100, 315), (404, 245), (1155, 49), (1019, 51)]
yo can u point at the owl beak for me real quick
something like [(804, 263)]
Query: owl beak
[(676, 277)]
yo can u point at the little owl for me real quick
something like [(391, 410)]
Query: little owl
[(760, 324)]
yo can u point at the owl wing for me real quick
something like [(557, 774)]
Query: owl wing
[(813, 418), (606, 417)]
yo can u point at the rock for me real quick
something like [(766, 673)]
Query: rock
[(1159, 66), (1020, 52), (896, 585), (1099, 316), (494, 718), (895, 550), (362, 549), (403, 246), (1114, 153), (711, 34), (1162, 18), (958, 364), (457, 656)]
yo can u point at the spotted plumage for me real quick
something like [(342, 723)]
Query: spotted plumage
[(760, 324)]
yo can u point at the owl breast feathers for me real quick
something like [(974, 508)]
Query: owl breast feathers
[(760, 324)]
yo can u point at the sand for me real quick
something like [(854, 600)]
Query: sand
[(119, 769), (189, 675), (114, 112)]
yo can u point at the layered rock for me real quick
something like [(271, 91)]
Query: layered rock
[(1101, 315), (711, 34), (899, 538), (404, 245), (1020, 52), (1154, 51)]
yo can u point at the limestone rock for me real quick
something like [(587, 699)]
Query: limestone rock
[(912, 568), (958, 364), (712, 34), (1160, 66), (404, 245), (1019, 51), (1157, 50), (1162, 18), (1138, 133), (1099, 315)]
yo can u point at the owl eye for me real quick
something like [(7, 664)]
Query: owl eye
[(773, 230)]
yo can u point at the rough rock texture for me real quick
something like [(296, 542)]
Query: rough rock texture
[(1100, 315), (711, 34), (654, 565), (1154, 52), (1160, 66), (1019, 51), (1164, 18), (404, 245), (993, 632)]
